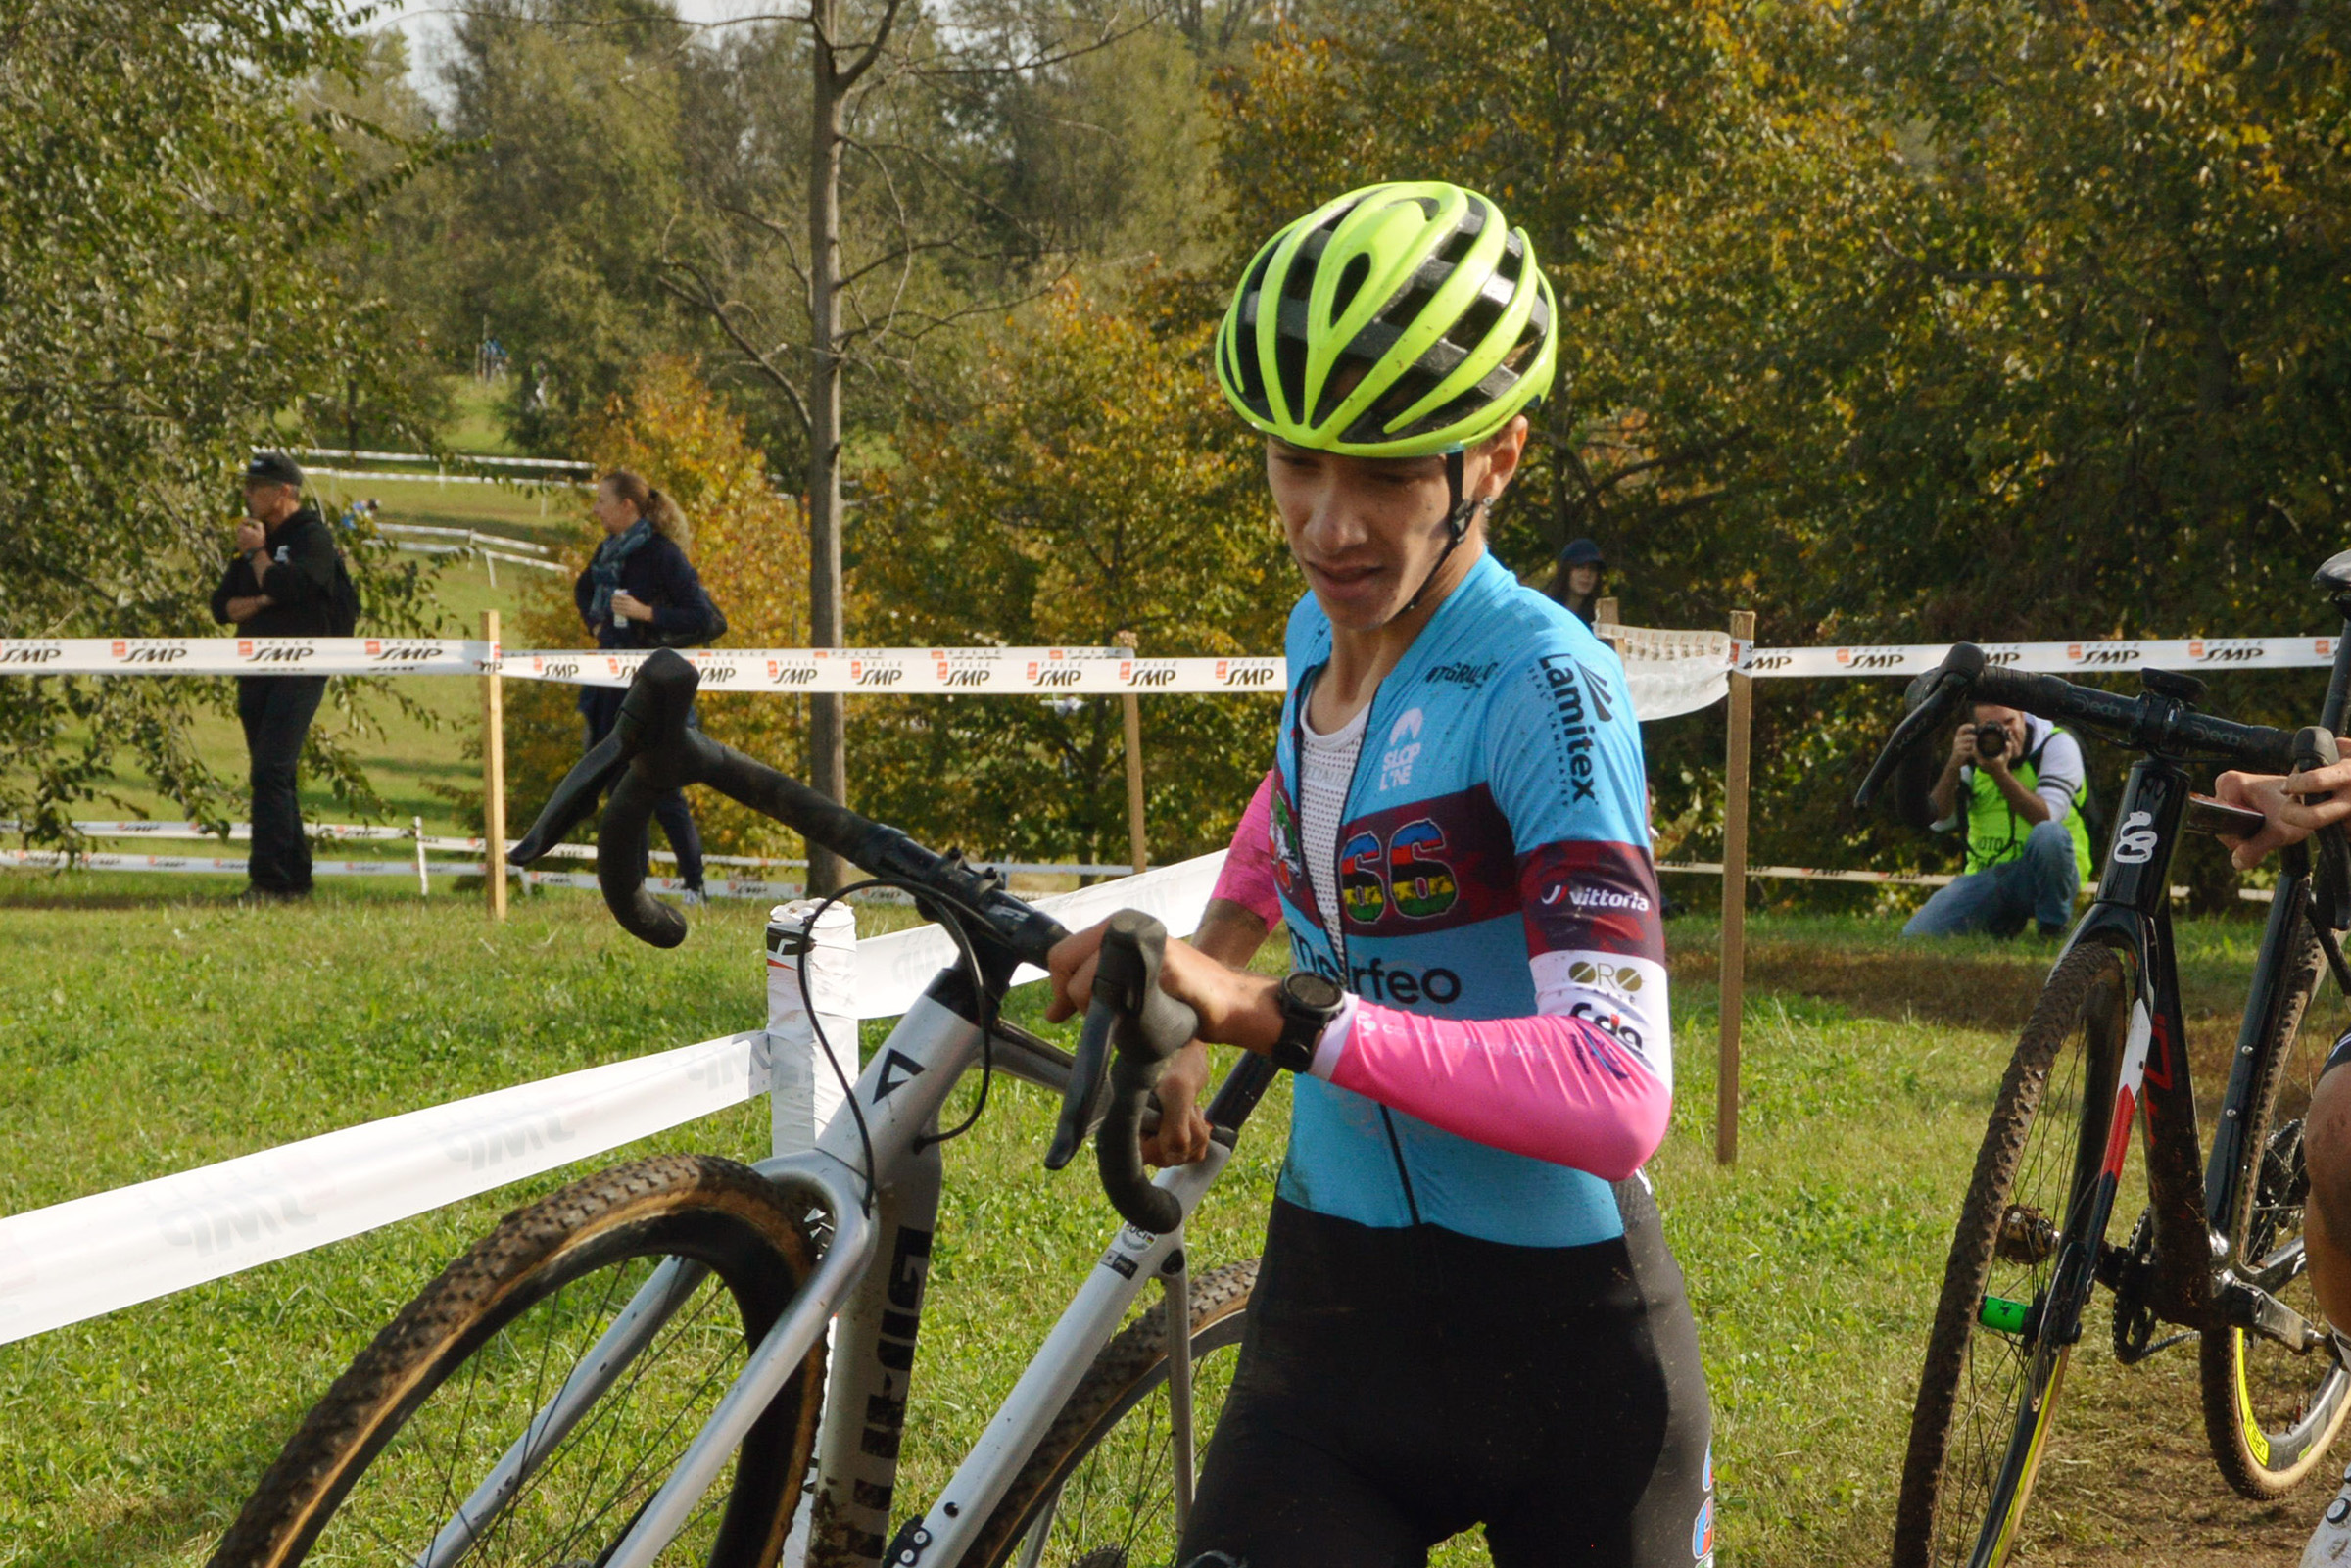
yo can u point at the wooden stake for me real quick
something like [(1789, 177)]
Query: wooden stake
[(494, 775), (1733, 897), (1134, 770), (1603, 620)]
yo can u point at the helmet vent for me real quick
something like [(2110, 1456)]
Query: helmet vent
[(1351, 278), (1289, 364)]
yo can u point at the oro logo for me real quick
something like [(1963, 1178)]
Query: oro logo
[(1618, 979)]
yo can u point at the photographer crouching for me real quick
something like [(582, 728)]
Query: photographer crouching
[(2021, 782)]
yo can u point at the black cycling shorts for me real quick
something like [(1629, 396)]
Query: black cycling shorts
[(1398, 1386)]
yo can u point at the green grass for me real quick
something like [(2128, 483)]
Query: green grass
[(148, 1036)]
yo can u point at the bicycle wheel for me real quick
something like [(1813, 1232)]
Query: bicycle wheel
[(1099, 1490), (2272, 1412), (383, 1461), (1988, 1395)]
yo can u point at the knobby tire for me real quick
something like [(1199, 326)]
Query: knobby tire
[(724, 1217), (2272, 1413), (1977, 1386)]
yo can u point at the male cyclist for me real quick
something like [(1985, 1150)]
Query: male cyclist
[(1467, 1313)]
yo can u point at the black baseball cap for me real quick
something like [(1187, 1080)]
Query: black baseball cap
[(1581, 553), (274, 468)]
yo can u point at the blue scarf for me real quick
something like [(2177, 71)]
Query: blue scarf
[(604, 569)]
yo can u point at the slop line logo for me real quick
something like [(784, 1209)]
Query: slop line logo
[(1403, 749), (2134, 840)]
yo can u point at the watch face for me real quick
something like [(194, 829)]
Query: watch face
[(1314, 990)]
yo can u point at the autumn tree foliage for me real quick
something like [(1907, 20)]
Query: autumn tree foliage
[(746, 542), (1089, 481)]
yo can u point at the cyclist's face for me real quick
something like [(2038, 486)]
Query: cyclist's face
[(1366, 531)]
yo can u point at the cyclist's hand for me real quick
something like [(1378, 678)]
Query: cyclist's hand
[(2318, 798), (1235, 1007), (1182, 1135)]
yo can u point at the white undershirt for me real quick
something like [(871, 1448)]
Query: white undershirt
[(1326, 768)]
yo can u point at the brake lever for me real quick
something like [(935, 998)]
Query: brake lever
[(574, 801), (1949, 683), (1132, 1028), (1082, 1097)]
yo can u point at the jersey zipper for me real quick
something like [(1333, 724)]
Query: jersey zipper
[(1337, 931)]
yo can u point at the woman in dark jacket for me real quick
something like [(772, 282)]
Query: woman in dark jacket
[(640, 592)]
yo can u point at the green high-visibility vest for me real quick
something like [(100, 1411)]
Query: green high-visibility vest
[(1996, 834)]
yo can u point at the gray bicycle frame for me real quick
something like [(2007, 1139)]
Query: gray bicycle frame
[(900, 1093)]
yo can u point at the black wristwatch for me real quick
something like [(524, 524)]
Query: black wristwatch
[(1309, 1002)]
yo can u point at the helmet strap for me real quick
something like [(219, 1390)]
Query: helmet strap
[(1460, 512)]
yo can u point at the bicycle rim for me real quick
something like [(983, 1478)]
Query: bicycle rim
[(1993, 1376), (2272, 1411), (388, 1460)]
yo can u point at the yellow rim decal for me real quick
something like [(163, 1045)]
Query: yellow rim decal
[(2023, 1489), (2256, 1439)]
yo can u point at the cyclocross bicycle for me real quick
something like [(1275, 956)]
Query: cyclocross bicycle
[(2217, 1255), (629, 1370)]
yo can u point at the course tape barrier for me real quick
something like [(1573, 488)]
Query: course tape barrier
[(2049, 658), (337, 832), (89, 1255), (245, 655), (1668, 672)]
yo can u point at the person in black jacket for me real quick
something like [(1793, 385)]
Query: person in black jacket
[(280, 583), (640, 592)]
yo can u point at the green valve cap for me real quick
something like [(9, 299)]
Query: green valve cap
[(2003, 1315)]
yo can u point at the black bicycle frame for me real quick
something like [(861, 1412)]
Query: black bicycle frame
[(2192, 1209)]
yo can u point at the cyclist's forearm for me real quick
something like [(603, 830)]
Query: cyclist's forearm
[(1230, 934), (1550, 1087)]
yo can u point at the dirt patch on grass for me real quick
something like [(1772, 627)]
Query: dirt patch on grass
[(1993, 993), (2129, 1480)]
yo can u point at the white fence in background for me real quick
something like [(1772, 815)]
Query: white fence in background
[(80, 1258)]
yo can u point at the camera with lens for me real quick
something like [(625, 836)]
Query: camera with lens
[(1991, 738)]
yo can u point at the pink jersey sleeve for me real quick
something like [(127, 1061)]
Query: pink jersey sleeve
[(1551, 1086), (1247, 879)]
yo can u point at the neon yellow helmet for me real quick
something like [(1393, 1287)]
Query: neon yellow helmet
[(1400, 320)]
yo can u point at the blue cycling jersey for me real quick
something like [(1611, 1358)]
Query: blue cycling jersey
[(1492, 862)]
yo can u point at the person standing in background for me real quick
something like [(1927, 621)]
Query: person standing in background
[(1575, 580), (281, 582), (640, 592)]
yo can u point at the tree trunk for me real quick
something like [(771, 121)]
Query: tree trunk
[(827, 741)]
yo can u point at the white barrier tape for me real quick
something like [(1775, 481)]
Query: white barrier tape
[(216, 866), (472, 550), (2051, 658), (1663, 681), (242, 832), (468, 459), (95, 1254), (471, 536), (245, 655), (1673, 672), (1712, 868)]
